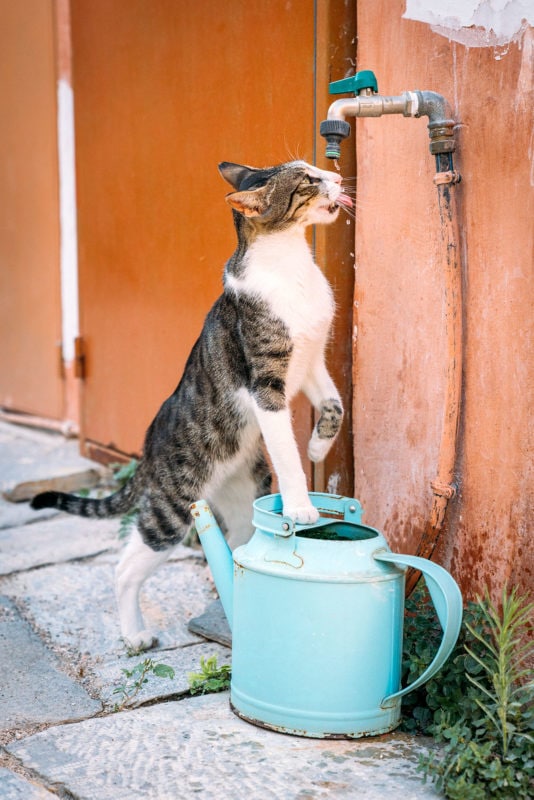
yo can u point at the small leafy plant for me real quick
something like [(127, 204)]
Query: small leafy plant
[(480, 707), (127, 522), (136, 678), (122, 473), (211, 677), (449, 693)]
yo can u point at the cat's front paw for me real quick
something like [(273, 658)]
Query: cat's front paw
[(138, 642), (326, 429), (303, 514)]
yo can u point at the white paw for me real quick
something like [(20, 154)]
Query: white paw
[(143, 640), (305, 514), (318, 448)]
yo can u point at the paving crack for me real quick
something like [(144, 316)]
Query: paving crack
[(31, 521), (16, 765), (75, 560)]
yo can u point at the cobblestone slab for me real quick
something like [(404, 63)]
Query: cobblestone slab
[(183, 660), (13, 787), (14, 515), (212, 624), (40, 459), (198, 748), (74, 604), (33, 689), (52, 541)]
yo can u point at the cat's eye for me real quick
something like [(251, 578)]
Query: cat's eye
[(312, 179)]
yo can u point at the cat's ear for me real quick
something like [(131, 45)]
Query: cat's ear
[(250, 204), (235, 173)]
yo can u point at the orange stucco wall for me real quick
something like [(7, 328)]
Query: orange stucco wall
[(399, 344)]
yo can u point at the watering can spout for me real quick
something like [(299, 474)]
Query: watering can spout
[(218, 555)]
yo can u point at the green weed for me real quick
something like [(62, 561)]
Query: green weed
[(136, 678), (122, 473), (480, 706), (211, 677)]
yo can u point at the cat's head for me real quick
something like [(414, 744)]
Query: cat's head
[(295, 193)]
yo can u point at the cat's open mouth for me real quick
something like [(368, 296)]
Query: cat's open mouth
[(344, 200)]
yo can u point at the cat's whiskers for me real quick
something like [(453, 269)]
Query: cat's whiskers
[(293, 155), (349, 212)]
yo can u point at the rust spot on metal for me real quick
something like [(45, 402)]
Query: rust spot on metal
[(196, 511), (303, 732)]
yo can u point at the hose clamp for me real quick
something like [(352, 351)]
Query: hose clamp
[(451, 176)]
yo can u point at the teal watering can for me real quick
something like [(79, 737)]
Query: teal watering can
[(316, 613)]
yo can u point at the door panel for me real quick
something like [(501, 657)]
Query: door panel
[(30, 310)]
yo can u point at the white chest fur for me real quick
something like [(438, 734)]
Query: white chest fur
[(280, 270)]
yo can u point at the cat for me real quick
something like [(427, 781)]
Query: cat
[(262, 342)]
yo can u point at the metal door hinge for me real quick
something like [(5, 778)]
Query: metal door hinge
[(79, 357), (60, 362)]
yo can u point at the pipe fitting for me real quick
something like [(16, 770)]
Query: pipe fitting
[(440, 122), (370, 104), (334, 131), (374, 105)]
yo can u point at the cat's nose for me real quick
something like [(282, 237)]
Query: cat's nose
[(335, 177)]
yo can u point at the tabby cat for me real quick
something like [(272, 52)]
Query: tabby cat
[(262, 342)]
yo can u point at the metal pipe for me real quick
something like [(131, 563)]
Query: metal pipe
[(368, 103), (373, 105), (409, 104), (444, 485)]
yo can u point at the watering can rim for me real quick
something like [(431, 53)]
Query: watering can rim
[(268, 514)]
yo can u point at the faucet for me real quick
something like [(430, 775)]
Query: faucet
[(368, 103)]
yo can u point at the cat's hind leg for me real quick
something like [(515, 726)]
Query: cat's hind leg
[(137, 563), (233, 499), (233, 502)]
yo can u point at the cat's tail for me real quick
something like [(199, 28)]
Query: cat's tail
[(118, 503)]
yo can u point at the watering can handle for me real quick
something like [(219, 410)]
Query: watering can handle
[(447, 601)]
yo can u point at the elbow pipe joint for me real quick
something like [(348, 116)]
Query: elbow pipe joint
[(440, 122)]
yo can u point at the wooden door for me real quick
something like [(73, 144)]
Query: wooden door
[(30, 303), (163, 92)]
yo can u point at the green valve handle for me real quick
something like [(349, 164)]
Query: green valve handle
[(365, 79)]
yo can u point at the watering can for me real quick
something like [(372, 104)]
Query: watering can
[(316, 613)]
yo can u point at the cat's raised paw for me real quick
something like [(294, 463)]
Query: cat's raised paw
[(305, 515), (141, 641)]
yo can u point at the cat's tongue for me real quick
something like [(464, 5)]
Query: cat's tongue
[(344, 200)]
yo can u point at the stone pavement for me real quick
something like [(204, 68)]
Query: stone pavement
[(61, 657)]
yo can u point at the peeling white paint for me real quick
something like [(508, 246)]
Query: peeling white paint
[(67, 216), (525, 80), (475, 23), (334, 480)]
